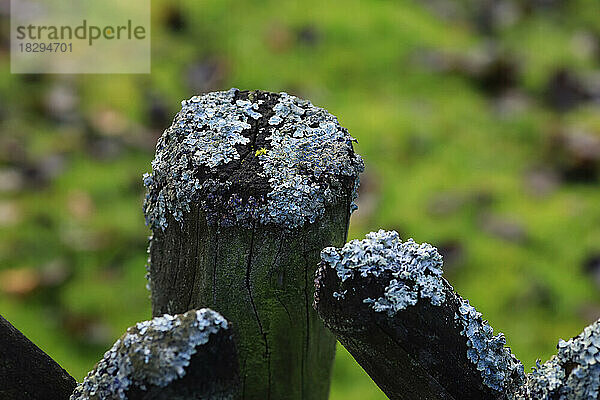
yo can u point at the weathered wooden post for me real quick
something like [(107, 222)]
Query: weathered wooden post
[(246, 189), (388, 304), (187, 356), (27, 372)]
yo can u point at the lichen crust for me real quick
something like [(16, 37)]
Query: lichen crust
[(499, 368), (573, 373), (298, 160), (416, 269), (151, 353)]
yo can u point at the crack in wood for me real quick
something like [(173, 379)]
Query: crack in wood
[(276, 292), (176, 280), (249, 289), (195, 260), (306, 308), (214, 272)]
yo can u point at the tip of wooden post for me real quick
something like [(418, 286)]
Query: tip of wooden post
[(151, 353), (251, 157), (415, 269)]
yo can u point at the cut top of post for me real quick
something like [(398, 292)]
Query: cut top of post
[(251, 157), (382, 252)]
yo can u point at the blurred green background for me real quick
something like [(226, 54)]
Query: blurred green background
[(478, 121)]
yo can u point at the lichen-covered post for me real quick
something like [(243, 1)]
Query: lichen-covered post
[(26, 372), (246, 189), (186, 356), (388, 304)]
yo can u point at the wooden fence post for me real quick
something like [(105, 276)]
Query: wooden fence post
[(27, 372), (387, 303), (245, 190), (186, 356)]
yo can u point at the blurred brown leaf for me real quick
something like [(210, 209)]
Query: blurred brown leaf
[(278, 37), (19, 281), (10, 213), (80, 204)]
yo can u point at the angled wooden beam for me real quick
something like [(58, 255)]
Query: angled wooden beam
[(26, 372), (388, 304)]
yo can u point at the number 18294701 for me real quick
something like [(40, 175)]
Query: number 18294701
[(43, 47)]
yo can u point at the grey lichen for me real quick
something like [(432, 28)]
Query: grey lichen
[(416, 269), (499, 368), (573, 373), (307, 163), (148, 263), (307, 138), (154, 352), (340, 295)]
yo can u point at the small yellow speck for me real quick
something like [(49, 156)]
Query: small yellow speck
[(260, 152)]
